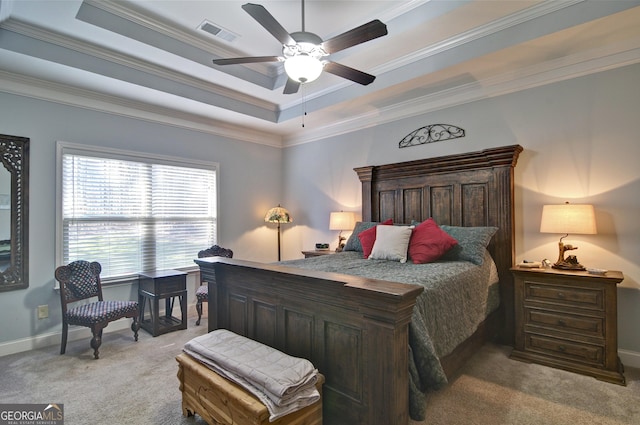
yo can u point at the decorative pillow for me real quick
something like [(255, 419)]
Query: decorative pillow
[(368, 238), (391, 243), (472, 243), (429, 242), (353, 243)]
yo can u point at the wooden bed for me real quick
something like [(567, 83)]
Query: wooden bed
[(354, 329)]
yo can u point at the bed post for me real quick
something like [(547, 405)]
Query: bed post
[(365, 175)]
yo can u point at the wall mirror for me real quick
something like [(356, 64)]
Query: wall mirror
[(14, 212)]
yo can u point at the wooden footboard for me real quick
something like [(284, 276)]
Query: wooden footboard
[(354, 330)]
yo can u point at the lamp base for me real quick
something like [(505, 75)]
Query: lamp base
[(571, 263)]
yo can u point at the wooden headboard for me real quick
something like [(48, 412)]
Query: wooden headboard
[(470, 189)]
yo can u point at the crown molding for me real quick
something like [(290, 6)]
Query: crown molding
[(72, 96), (578, 65), (142, 18), (534, 76), (494, 27), (595, 61), (132, 14), (99, 52), (480, 32)]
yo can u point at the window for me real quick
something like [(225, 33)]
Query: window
[(133, 213)]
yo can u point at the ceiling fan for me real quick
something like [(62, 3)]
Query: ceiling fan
[(304, 53)]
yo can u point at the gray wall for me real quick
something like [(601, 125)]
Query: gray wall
[(244, 196), (580, 140)]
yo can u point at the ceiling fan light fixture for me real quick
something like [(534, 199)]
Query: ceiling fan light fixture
[(303, 68), (303, 52)]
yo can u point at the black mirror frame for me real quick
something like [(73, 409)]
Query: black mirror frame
[(14, 155)]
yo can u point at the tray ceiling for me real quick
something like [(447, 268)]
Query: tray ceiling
[(152, 59)]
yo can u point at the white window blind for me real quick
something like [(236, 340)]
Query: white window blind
[(134, 216)]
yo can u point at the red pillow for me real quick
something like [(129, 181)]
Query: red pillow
[(368, 238), (429, 242)]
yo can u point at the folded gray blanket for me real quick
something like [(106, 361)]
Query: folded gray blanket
[(282, 382)]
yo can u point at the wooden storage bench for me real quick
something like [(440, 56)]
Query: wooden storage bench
[(222, 402)]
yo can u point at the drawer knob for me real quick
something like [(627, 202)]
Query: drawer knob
[(562, 348), (561, 323), (561, 295)]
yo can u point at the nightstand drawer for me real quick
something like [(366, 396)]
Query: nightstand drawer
[(163, 282), (174, 284), (582, 325), (574, 351), (588, 297)]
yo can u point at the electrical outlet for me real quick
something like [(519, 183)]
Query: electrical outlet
[(43, 311)]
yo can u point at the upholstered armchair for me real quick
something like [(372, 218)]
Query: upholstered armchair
[(202, 294), (80, 280)]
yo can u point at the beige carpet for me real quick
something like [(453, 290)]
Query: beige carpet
[(135, 383), (493, 389)]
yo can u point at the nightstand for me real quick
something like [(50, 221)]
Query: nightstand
[(568, 320), (316, 253)]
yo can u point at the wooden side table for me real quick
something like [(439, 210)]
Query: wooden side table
[(167, 285), (568, 320)]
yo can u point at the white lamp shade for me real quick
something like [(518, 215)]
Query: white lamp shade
[(303, 68), (342, 220), (568, 218)]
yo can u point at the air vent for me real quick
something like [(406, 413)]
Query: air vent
[(217, 31)]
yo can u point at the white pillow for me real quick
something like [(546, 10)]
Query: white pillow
[(392, 243)]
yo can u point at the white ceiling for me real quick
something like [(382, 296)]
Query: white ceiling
[(149, 59)]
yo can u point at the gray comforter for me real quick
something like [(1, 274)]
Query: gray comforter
[(457, 297)]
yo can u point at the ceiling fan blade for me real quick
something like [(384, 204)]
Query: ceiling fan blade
[(366, 32), (253, 59), (291, 87), (349, 73), (264, 18)]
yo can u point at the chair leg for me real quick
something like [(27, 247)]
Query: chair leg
[(96, 341), (199, 310), (135, 327), (65, 329)]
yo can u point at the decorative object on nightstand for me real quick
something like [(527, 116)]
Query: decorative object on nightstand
[(568, 218), (568, 319), (341, 221), (316, 253), (278, 215)]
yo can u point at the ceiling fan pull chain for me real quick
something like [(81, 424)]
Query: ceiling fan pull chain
[(304, 105)]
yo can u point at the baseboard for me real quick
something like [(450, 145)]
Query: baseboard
[(629, 358), (54, 338), (75, 333)]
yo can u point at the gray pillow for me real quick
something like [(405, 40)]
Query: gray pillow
[(472, 243), (353, 243)]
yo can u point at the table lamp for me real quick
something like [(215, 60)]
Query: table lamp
[(341, 221), (568, 218), (278, 215)]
